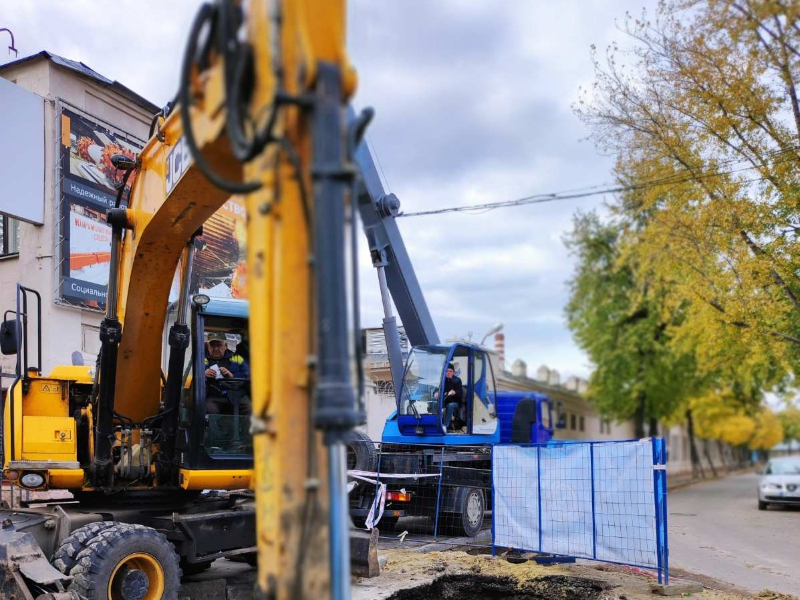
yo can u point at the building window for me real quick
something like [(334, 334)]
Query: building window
[(605, 426), (9, 236), (572, 422), (581, 424)]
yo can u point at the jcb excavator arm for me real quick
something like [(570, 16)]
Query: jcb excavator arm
[(264, 116)]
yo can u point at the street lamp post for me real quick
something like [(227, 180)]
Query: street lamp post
[(497, 327)]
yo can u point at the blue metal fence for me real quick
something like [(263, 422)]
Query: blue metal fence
[(603, 501)]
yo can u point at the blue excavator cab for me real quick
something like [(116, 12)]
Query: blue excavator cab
[(421, 407)]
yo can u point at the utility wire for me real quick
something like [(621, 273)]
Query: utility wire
[(683, 176)]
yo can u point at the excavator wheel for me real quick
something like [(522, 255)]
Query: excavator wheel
[(127, 562), (67, 554)]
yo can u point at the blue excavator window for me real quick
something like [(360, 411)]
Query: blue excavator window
[(421, 380)]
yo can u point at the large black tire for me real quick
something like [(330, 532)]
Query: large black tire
[(67, 554), (134, 557), (469, 520), (361, 452)]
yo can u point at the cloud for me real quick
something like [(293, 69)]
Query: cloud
[(473, 105)]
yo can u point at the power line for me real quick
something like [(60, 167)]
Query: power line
[(683, 176)]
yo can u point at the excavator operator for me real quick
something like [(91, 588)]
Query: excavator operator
[(222, 362), (228, 403)]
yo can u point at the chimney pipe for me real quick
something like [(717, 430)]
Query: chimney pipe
[(500, 347)]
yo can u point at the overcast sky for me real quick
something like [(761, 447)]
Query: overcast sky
[(473, 104)]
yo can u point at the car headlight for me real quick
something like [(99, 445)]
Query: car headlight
[(32, 480), (771, 486)]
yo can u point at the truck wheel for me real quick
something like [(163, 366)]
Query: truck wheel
[(469, 521), (361, 453), (127, 562), (66, 555)]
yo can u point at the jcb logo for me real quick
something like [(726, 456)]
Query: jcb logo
[(178, 162)]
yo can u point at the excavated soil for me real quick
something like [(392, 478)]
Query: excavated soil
[(482, 587)]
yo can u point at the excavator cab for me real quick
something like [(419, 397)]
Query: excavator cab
[(214, 427), (421, 408)]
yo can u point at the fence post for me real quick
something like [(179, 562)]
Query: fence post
[(438, 497), (658, 514), (665, 540), (594, 516), (494, 506), (539, 490), (378, 475)]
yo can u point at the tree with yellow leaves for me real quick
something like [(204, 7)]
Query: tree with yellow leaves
[(704, 118), (768, 431), (790, 421)]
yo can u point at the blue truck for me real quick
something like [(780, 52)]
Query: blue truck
[(431, 468)]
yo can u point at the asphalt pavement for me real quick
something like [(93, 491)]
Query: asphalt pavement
[(716, 529)]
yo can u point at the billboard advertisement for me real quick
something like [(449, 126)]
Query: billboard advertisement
[(88, 190)]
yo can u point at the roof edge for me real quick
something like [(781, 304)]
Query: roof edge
[(85, 70)]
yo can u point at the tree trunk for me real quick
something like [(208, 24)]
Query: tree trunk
[(653, 427), (638, 417), (697, 467), (721, 448), (708, 458)]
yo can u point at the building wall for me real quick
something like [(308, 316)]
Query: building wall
[(64, 329)]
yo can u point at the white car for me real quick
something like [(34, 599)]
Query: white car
[(780, 482)]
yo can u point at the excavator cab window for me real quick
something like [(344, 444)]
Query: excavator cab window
[(422, 378), (422, 410), (216, 408), (227, 398)]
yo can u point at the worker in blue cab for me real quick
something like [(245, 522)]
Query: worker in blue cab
[(453, 395)]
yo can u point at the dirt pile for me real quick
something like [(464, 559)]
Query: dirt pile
[(482, 587)]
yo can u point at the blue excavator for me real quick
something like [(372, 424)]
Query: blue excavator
[(415, 435)]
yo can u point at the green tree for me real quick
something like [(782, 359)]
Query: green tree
[(621, 323)]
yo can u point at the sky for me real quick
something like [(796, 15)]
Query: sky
[(473, 104)]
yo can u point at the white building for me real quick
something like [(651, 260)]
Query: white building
[(34, 254)]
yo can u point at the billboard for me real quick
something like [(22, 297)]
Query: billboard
[(88, 190)]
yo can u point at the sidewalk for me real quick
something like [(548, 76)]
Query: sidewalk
[(684, 479)]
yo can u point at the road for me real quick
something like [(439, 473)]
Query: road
[(715, 529)]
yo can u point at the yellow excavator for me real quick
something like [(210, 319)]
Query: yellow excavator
[(261, 111)]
